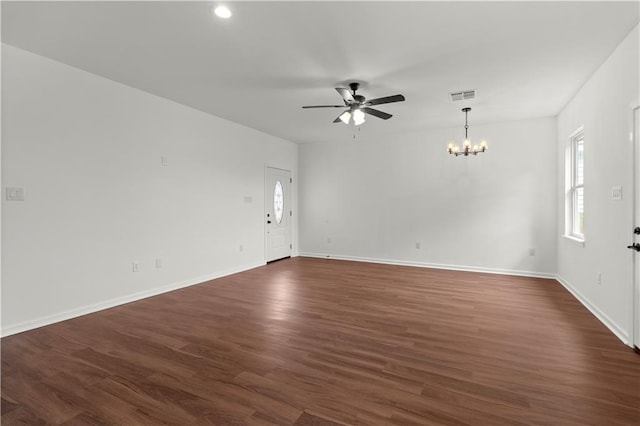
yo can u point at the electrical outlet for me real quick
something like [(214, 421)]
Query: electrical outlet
[(532, 252), (241, 248), (164, 161), (329, 240), (158, 263), (135, 266), (599, 278), (418, 245)]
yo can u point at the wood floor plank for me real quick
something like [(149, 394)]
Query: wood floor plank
[(324, 342)]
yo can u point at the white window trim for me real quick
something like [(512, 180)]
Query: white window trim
[(571, 187), (580, 241)]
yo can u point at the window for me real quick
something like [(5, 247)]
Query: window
[(575, 180)]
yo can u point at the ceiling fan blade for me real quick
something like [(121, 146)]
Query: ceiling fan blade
[(346, 95), (377, 113), (323, 106), (385, 100)]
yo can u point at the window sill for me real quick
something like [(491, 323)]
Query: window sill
[(575, 240)]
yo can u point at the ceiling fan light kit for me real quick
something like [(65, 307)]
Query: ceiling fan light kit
[(358, 106), (466, 149), (345, 117), (355, 113)]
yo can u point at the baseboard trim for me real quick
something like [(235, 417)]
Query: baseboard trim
[(533, 274), (89, 309), (602, 317)]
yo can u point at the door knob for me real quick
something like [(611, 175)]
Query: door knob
[(634, 246), (268, 221), (637, 230)]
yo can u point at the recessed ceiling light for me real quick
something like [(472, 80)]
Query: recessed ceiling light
[(222, 12)]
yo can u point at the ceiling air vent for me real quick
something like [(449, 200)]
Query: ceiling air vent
[(463, 95)]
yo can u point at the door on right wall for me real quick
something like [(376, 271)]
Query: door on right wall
[(636, 237)]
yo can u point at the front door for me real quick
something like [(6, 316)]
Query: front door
[(277, 214)]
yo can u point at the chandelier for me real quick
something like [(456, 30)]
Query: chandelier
[(466, 145)]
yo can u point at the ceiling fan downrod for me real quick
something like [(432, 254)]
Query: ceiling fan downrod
[(354, 86)]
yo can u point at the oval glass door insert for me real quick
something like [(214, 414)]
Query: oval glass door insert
[(278, 201)]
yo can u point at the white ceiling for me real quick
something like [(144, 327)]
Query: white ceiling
[(525, 59)]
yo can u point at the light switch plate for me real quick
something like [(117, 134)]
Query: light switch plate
[(15, 194), (616, 193)]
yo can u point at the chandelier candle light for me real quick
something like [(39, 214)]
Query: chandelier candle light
[(466, 145)]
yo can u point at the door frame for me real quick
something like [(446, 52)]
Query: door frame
[(634, 136), (264, 206)]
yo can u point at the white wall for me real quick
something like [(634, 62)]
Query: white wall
[(375, 198), (87, 152), (603, 107)]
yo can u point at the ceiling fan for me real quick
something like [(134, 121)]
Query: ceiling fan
[(357, 105)]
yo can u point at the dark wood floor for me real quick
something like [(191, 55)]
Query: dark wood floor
[(319, 342)]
